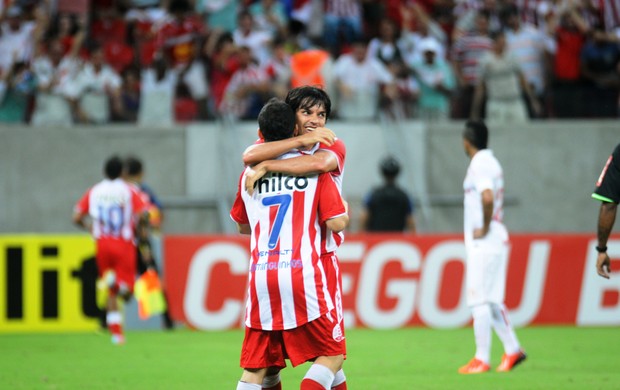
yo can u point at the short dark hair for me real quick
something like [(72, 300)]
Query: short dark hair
[(276, 120), (476, 133), (133, 166), (390, 167), (113, 167), (308, 96)]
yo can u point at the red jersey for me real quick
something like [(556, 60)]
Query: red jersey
[(287, 281), (113, 206)]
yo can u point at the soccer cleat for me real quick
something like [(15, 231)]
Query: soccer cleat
[(118, 339), (474, 366), (509, 362)]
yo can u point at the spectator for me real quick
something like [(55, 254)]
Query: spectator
[(258, 41), (570, 36), (467, 51), (417, 25), (96, 91), (269, 15), (158, 86), (278, 68), (224, 62), (54, 73), (436, 81), (385, 47), (130, 95), (600, 66), (109, 26), (64, 27), (342, 24), (527, 45), (17, 37), (466, 12), (178, 35), (248, 89), (220, 14), (388, 208), (502, 81), (16, 85), (360, 82), (143, 22)]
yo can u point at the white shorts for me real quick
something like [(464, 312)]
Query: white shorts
[(486, 273)]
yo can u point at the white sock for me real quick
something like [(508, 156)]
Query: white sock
[(271, 380), (248, 386), (504, 329), (321, 375), (113, 317), (482, 331), (339, 378)]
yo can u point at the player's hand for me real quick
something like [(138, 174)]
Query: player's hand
[(480, 233), (603, 265), (253, 175), (320, 134)]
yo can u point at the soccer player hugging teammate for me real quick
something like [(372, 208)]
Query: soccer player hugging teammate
[(312, 108), (291, 310)]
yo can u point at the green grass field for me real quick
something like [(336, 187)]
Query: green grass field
[(414, 358)]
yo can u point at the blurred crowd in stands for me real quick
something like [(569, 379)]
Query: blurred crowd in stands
[(159, 62)]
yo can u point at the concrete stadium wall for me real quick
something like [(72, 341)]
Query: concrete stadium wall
[(550, 170)]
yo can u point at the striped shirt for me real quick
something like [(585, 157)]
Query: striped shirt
[(287, 282), (113, 206), (467, 52)]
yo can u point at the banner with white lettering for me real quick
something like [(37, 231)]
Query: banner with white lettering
[(395, 280)]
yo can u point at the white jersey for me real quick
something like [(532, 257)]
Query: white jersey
[(484, 173), (287, 281)]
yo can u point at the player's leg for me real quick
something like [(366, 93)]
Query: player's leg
[(262, 358), (513, 353), (125, 269), (340, 381), (333, 278), (108, 286), (272, 381), (251, 379), (321, 342), (320, 375), (481, 313)]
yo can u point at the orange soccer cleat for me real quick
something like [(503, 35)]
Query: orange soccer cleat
[(509, 362), (474, 366)]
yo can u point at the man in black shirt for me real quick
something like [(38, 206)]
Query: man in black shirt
[(388, 208)]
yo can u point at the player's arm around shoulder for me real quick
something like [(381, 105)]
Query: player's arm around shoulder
[(260, 152)]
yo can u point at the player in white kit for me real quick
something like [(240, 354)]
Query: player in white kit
[(486, 243)]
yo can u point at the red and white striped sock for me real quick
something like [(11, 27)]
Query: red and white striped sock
[(115, 326), (340, 381)]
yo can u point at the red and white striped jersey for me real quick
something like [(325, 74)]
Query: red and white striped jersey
[(113, 206), (331, 240), (287, 281)]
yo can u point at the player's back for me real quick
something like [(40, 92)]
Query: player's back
[(112, 205), (285, 213)]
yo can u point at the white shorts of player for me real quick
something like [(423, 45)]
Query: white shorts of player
[(487, 262)]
